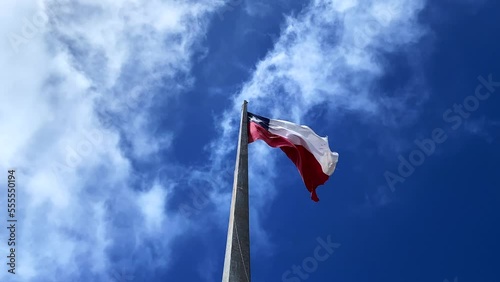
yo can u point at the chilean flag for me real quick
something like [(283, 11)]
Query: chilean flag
[(308, 151)]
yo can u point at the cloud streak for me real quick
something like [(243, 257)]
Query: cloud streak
[(81, 90)]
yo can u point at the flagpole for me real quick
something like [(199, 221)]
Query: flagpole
[(237, 259)]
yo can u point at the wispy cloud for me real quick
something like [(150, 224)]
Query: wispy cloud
[(80, 91)]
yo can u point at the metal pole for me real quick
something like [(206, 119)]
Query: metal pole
[(237, 260)]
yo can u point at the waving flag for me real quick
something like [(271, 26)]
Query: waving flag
[(308, 151)]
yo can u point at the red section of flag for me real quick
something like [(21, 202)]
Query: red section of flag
[(306, 163)]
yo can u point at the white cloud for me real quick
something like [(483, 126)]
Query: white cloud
[(75, 64), (332, 54)]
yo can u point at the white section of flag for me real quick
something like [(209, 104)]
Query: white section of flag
[(305, 136)]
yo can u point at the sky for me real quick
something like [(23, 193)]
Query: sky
[(120, 119)]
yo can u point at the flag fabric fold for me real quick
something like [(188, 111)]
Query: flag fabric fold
[(309, 152)]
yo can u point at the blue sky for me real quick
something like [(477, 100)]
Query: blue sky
[(121, 120)]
